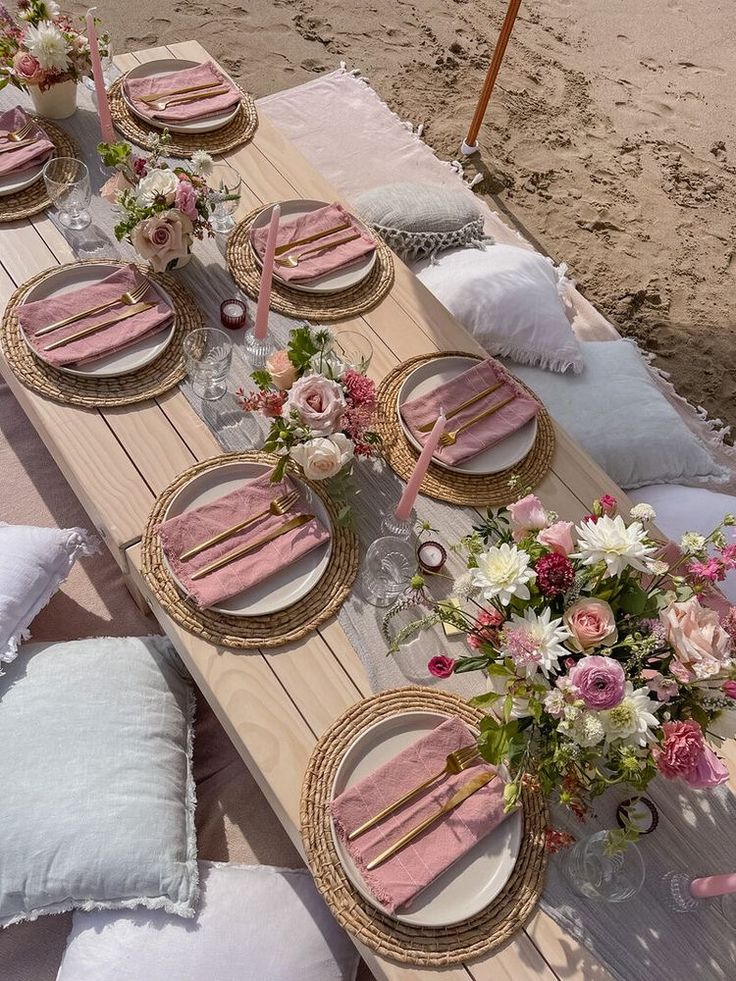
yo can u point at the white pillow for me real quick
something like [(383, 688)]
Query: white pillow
[(254, 923), (616, 412), (34, 562), (510, 299), (681, 509)]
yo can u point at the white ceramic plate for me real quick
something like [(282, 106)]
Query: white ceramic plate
[(469, 885), (503, 455), (154, 69), (340, 279), (122, 362), (281, 590)]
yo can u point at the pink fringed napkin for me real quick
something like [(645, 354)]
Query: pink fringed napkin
[(400, 879), (484, 434), (186, 530), (24, 157), (41, 313), (137, 88), (297, 229)]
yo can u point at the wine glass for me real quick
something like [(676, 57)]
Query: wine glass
[(209, 353), (68, 187), (353, 349)]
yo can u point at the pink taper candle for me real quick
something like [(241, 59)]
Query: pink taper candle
[(264, 293), (103, 108), (713, 885), (403, 509)]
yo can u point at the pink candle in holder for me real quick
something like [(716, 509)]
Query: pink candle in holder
[(103, 107), (264, 293), (405, 505)]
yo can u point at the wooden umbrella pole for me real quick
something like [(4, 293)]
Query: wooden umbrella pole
[(469, 146)]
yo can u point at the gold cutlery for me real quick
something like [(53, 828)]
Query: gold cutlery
[(292, 261), (162, 104), (155, 96), (465, 405), (467, 790), (277, 507), (447, 439), (238, 553), (311, 238), (129, 298), (63, 341), (16, 145), (18, 135), (458, 761)]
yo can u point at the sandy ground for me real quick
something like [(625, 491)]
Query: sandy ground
[(611, 135)]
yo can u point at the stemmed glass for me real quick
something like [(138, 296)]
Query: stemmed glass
[(226, 184), (353, 349), (68, 186), (208, 352)]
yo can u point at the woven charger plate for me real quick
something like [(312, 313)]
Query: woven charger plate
[(492, 490), (322, 307), (154, 379), (35, 198), (422, 946), (238, 131), (249, 633)]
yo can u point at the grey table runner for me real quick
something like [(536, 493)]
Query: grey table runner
[(640, 940)]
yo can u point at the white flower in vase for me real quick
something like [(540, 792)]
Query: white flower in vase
[(503, 572), (631, 720), (534, 641), (48, 46), (609, 540), (156, 184), (202, 162)]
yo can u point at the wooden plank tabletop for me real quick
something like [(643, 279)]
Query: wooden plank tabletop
[(273, 704)]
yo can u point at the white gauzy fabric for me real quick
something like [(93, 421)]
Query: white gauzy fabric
[(254, 923), (615, 411), (34, 562), (681, 509), (97, 798), (510, 299)]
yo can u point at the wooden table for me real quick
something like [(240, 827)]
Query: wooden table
[(274, 705)]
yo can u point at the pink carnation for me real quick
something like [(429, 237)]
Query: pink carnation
[(186, 199), (684, 754)]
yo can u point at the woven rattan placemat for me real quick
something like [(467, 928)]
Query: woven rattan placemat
[(237, 132), (483, 933), (154, 379), (322, 307), (493, 490), (248, 633), (35, 198)]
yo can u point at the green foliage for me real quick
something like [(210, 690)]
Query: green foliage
[(303, 345), (115, 155), (262, 379)]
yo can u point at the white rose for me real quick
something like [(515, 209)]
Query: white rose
[(157, 183), (324, 456)]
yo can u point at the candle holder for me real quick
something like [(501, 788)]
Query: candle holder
[(233, 314), (399, 527), (431, 556), (259, 350), (678, 886)]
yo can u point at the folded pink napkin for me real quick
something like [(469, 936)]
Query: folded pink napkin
[(400, 879), (24, 157), (41, 313), (186, 530), (482, 435), (137, 88), (322, 263)]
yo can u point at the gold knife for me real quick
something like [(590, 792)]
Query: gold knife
[(18, 146), (130, 312), (238, 553), (465, 405), (467, 790), (154, 97), (311, 238)]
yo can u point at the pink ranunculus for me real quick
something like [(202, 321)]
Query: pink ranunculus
[(185, 199), (701, 646), (114, 186), (591, 623), (318, 401), (527, 515), (26, 66), (558, 537), (663, 688), (281, 370), (600, 681), (729, 689), (162, 238), (441, 666)]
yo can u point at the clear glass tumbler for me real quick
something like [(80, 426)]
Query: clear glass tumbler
[(68, 186), (597, 874), (226, 185), (389, 565), (353, 349), (208, 352)]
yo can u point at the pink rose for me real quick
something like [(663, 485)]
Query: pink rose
[(684, 754), (527, 515), (600, 681), (26, 66), (558, 537), (441, 666), (281, 370), (114, 186), (185, 199), (319, 403), (162, 238), (591, 623), (701, 646)]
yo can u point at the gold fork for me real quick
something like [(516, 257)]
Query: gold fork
[(18, 135), (292, 261), (447, 439), (456, 762), (129, 298), (277, 507), (162, 104), (464, 405)]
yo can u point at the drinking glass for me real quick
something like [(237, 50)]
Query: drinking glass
[(353, 349), (208, 352), (226, 185), (67, 183), (389, 565), (596, 874)]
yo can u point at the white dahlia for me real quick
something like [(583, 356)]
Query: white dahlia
[(631, 720), (534, 641), (609, 540), (48, 46), (503, 572)]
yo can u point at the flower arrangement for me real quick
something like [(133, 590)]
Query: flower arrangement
[(164, 208), (604, 666), (321, 411), (42, 48)]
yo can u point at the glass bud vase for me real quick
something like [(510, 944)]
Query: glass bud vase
[(597, 873)]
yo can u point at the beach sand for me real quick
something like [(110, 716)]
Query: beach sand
[(610, 136)]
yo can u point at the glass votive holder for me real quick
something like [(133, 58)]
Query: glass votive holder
[(233, 314)]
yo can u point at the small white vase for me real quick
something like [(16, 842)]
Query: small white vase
[(57, 102)]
